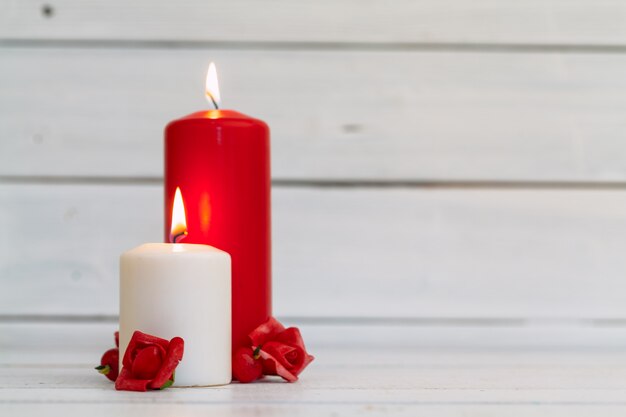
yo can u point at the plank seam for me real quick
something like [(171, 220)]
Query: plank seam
[(359, 321), (335, 183), (317, 46), (282, 402)]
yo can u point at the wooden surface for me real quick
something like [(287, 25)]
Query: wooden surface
[(438, 163), (55, 377), (435, 253), (449, 200), (334, 115), (461, 22)]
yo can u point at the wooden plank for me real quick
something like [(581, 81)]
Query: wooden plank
[(342, 252), (394, 384), (76, 344), (381, 116), (351, 381), (406, 21), (63, 244), (432, 408), (359, 383)]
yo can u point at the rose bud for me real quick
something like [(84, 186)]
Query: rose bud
[(149, 362), (109, 364), (246, 368)]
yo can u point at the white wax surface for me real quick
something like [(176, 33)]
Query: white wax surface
[(183, 290)]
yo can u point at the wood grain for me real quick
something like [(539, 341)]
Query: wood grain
[(361, 115), (352, 21), (369, 343), (342, 253), (530, 408), (358, 380), (415, 93)]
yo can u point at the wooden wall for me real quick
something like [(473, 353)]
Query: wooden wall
[(433, 161)]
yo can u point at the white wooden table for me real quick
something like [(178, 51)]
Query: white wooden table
[(47, 369)]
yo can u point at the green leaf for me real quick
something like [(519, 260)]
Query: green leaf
[(167, 384), (103, 369)]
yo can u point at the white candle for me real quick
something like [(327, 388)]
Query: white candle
[(184, 290), (170, 290)]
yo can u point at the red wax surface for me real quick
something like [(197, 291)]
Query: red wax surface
[(220, 160)]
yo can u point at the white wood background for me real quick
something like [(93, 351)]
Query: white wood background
[(449, 200), (433, 161)]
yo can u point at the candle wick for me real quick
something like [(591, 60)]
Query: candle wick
[(180, 235), (208, 93)]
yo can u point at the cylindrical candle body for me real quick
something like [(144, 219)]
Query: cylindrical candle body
[(220, 160), (170, 290)]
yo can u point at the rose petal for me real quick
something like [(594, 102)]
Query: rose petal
[(279, 369), (148, 339), (141, 340), (147, 363), (290, 357), (266, 331), (172, 358), (125, 382), (269, 367), (291, 336)]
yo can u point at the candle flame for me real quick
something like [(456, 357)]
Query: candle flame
[(179, 221), (212, 90)]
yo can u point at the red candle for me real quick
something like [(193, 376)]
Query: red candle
[(220, 161)]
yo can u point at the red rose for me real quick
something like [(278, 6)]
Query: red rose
[(109, 363), (149, 362), (282, 350), (246, 365)]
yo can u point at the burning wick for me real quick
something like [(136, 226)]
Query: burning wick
[(210, 96), (179, 221), (212, 88), (181, 236)]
